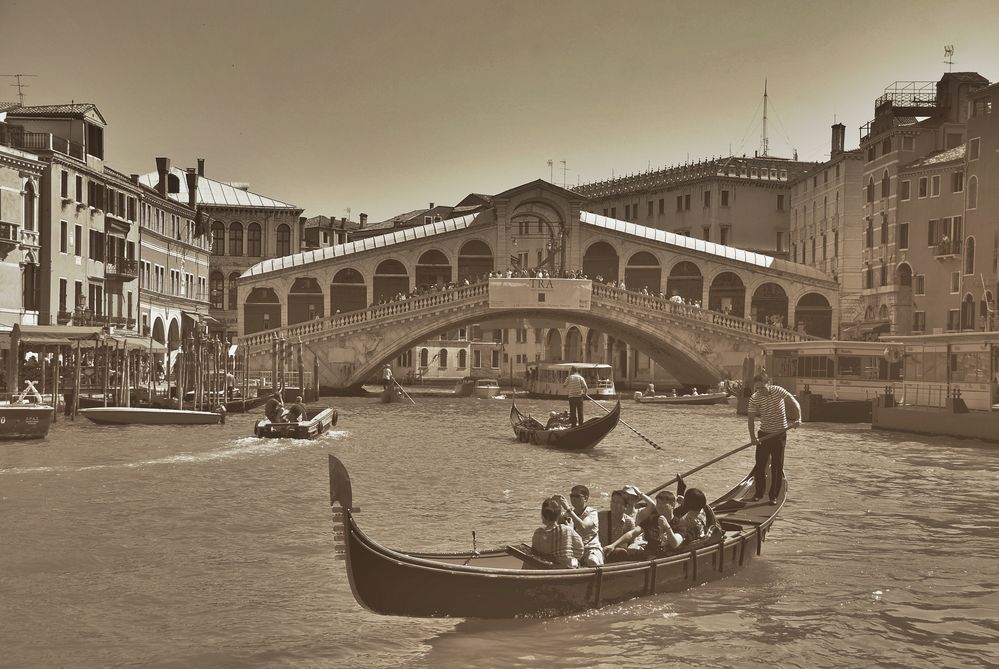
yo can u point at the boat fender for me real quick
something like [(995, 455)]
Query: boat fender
[(638, 394)]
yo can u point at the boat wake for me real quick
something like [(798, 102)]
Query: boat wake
[(239, 448)]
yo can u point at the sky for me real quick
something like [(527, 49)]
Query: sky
[(382, 106)]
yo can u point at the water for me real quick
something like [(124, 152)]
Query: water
[(203, 547)]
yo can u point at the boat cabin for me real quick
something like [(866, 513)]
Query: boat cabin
[(545, 379), (837, 370)]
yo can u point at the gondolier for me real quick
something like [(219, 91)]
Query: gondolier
[(576, 385), (768, 401), (386, 376)]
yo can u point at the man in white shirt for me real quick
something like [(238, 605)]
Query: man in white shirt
[(577, 389)]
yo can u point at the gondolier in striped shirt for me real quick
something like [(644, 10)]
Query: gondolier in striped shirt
[(769, 402), (577, 389)]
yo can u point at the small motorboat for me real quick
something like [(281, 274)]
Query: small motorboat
[(307, 428), (707, 398), (21, 420), (486, 388), (147, 416)]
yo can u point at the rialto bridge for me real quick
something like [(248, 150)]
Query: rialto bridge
[(341, 300)]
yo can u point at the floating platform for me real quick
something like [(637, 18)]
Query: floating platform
[(952, 420)]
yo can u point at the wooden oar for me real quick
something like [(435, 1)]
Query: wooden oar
[(403, 391), (698, 468), (620, 420)]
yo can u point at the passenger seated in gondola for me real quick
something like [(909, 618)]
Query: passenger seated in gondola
[(557, 421), (615, 523), (296, 411), (655, 524), (274, 409), (650, 390), (556, 541), (673, 393), (693, 518), (586, 522)]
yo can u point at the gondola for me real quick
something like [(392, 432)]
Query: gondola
[(530, 430), (390, 394), (707, 398), (310, 428), (509, 582)]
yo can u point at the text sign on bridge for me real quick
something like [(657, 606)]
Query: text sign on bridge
[(538, 293)]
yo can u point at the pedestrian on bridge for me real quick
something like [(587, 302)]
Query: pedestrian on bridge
[(577, 390)]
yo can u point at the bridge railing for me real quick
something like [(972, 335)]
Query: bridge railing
[(653, 303), (259, 341)]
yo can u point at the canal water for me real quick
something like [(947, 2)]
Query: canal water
[(206, 547)]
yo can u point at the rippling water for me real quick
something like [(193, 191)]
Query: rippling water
[(203, 547)]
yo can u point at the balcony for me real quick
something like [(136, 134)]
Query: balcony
[(9, 237), (40, 141), (947, 250), (89, 318), (121, 269), (64, 317)]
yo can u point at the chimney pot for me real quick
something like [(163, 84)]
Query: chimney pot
[(363, 219), (192, 188), (431, 205), (134, 178), (201, 167), (162, 170)]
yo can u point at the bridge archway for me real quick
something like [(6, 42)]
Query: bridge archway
[(769, 303), (390, 278), (261, 311), (573, 345), (553, 346), (644, 271), (728, 294), (595, 346), (601, 260), (685, 280), (474, 260), (814, 314), (305, 300), (348, 291), (433, 267), (158, 333)]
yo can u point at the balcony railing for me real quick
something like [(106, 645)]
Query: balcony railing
[(121, 269), (40, 141), (948, 249)]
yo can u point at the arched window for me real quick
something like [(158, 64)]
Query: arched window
[(253, 240), (885, 185), (218, 238), (969, 256), (973, 192), (442, 359), (29, 206), (424, 357), (283, 240), (870, 189), (235, 239), (462, 359), (216, 289), (233, 292)]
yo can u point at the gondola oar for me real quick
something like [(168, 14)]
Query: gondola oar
[(403, 391), (698, 468), (620, 420)]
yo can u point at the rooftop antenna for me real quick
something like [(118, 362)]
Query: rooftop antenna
[(20, 85), (563, 172), (348, 213), (949, 57), (765, 143), (551, 171)]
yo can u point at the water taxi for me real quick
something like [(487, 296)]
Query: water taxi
[(22, 420), (546, 379), (834, 381), (950, 387), (486, 388)]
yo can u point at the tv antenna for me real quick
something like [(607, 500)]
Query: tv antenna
[(348, 213), (563, 172), (20, 85), (764, 142), (949, 57), (551, 171)]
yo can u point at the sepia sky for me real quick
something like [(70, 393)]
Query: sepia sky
[(384, 106)]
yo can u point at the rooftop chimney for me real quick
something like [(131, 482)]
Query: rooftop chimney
[(201, 167), (364, 219), (838, 138), (192, 188), (162, 169), (134, 178), (431, 205)]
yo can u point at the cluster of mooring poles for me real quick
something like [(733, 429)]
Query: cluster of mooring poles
[(284, 355)]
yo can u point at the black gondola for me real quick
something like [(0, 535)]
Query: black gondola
[(531, 431)]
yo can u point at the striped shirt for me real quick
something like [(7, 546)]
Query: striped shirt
[(769, 406), (576, 384), (559, 543)]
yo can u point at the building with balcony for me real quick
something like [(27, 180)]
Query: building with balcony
[(20, 182), (826, 228), (174, 260), (915, 196), (735, 201), (87, 221), (244, 228)]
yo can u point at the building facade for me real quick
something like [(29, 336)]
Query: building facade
[(20, 180)]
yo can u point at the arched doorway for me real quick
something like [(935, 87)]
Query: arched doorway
[(573, 345), (644, 271), (305, 300), (596, 346), (433, 268), (813, 315), (261, 311), (553, 346), (600, 260), (158, 333), (903, 302), (348, 292), (968, 312), (727, 295), (173, 341), (769, 305), (475, 261), (390, 279), (686, 281)]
